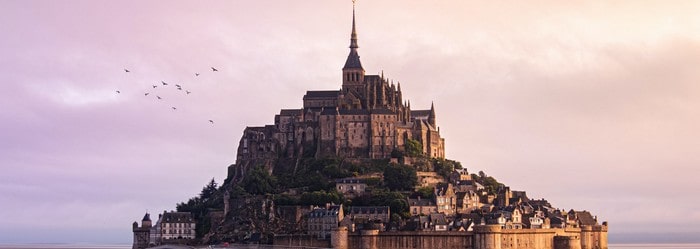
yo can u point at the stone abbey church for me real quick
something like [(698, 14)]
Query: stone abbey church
[(368, 118)]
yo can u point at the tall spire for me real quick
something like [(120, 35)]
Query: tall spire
[(353, 35), (353, 60)]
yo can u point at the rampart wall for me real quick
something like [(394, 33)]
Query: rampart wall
[(483, 237)]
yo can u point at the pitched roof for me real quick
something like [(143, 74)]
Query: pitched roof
[(420, 202), (420, 113), (290, 112), (353, 60), (177, 217), (368, 210), (321, 94), (353, 112), (585, 218)]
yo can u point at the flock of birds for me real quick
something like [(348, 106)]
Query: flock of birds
[(165, 84)]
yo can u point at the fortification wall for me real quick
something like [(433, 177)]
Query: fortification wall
[(483, 237), (300, 240), (373, 239)]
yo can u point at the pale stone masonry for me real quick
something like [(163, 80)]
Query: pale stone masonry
[(367, 118)]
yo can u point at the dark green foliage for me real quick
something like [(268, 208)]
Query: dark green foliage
[(400, 177), (200, 205), (381, 197), (396, 153), (445, 166), (286, 200), (426, 192), (320, 198), (258, 182), (414, 148), (490, 184)]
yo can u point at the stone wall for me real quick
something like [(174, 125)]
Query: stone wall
[(483, 237), (300, 240)]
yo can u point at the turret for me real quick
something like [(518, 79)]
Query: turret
[(431, 117), (146, 221)]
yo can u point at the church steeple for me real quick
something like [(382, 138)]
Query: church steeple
[(353, 73), (353, 60)]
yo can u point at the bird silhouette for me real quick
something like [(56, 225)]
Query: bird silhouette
[(178, 86), (154, 86), (145, 94), (158, 97), (118, 91), (196, 74), (126, 70), (211, 121), (188, 92), (165, 84), (174, 108), (214, 69)]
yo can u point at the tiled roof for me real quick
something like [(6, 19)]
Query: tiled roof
[(353, 112), (420, 113), (368, 210), (290, 112), (321, 94), (177, 217), (353, 60)]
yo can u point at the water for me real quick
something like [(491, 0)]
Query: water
[(89, 246), (653, 246)]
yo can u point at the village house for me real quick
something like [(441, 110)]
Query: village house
[(351, 187), (323, 220)]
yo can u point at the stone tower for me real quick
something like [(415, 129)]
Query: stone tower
[(142, 234), (353, 73)]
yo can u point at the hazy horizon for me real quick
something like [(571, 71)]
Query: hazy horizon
[(591, 105)]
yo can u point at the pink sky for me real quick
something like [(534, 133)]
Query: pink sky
[(592, 105)]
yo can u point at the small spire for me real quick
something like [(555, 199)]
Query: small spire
[(399, 86), (382, 73), (353, 35)]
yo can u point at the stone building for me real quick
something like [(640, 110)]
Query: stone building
[(351, 187), (142, 233), (370, 213), (367, 118), (177, 225), (322, 221)]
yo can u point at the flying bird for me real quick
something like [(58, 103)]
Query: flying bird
[(158, 97), (118, 91), (196, 74), (211, 121), (154, 86), (165, 84), (214, 69), (174, 108), (126, 70), (145, 94), (178, 86), (188, 92)]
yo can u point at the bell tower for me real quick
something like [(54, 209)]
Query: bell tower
[(353, 73)]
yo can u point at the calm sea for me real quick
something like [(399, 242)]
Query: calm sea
[(86, 246)]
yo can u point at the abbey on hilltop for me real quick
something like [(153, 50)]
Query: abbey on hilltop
[(367, 118)]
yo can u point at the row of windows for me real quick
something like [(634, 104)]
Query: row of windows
[(177, 231), (177, 225)]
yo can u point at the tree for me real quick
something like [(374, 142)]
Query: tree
[(259, 182), (400, 177), (414, 148)]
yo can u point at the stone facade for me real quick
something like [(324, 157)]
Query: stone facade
[(367, 117)]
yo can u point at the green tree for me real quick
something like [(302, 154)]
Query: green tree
[(400, 177), (259, 182), (414, 148)]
